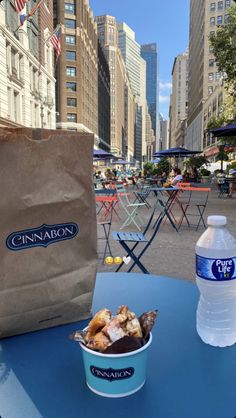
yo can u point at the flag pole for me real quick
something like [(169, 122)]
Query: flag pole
[(55, 30), (30, 14)]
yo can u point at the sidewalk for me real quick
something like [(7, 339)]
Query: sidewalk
[(173, 253)]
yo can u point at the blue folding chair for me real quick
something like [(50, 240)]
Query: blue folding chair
[(136, 238)]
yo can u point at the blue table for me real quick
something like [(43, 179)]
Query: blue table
[(41, 373)]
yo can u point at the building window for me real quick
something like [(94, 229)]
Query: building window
[(35, 81), (227, 3), (70, 23), (71, 117), (217, 76), (16, 106), (70, 86), (226, 18), (70, 8), (210, 89), (70, 40), (71, 71), (210, 76), (71, 55), (214, 105), (71, 102), (212, 7), (219, 20), (220, 5), (212, 21), (14, 62), (211, 62)]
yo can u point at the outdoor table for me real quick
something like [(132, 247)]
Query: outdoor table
[(108, 203), (166, 203), (152, 181), (42, 376)]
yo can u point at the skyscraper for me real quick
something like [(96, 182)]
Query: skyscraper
[(179, 99), (122, 105), (130, 50), (205, 18), (149, 53), (136, 67), (163, 133), (82, 74)]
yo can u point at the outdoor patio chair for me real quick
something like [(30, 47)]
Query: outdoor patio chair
[(130, 240), (130, 209), (106, 225), (141, 196), (223, 189), (106, 200), (196, 206), (106, 222), (166, 198), (183, 201)]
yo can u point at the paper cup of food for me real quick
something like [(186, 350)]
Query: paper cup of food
[(115, 351)]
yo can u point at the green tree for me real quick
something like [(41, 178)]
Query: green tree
[(222, 155), (223, 43), (224, 48), (196, 162), (148, 168), (163, 166)]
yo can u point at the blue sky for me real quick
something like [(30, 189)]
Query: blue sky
[(165, 22)]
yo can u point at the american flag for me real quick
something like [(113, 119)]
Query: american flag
[(33, 10), (56, 41), (19, 5)]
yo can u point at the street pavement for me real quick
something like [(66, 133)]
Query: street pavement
[(171, 253)]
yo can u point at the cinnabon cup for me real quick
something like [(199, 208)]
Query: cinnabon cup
[(115, 375)]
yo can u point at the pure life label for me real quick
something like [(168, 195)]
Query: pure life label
[(216, 269)]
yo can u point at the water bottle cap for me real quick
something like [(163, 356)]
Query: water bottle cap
[(216, 220)]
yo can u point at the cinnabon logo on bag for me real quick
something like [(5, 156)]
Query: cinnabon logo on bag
[(42, 236), (112, 374)]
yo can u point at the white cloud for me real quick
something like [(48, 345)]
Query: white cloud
[(165, 85), (164, 99)]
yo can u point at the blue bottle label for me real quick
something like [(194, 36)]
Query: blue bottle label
[(216, 269)]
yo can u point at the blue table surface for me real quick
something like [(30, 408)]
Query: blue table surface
[(160, 189), (41, 373)]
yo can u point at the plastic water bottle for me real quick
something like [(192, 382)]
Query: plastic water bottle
[(216, 280)]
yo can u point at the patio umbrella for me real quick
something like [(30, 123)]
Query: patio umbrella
[(227, 130), (122, 162), (176, 152), (100, 153)]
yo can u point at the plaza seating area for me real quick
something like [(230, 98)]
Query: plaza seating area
[(153, 227)]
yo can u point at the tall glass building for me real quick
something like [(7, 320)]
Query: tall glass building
[(149, 53), (130, 50)]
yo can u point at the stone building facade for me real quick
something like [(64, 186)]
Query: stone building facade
[(179, 100), (122, 102), (27, 89), (206, 16)]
